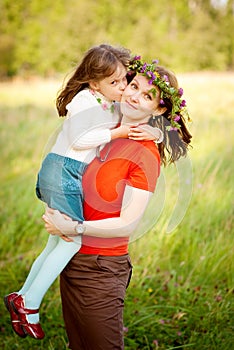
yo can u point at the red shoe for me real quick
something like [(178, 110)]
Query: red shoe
[(15, 321), (34, 330)]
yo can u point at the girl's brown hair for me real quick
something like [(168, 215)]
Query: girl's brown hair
[(98, 63), (176, 142)]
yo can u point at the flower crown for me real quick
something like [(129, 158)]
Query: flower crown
[(174, 95)]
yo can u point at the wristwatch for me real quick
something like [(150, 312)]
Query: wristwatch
[(80, 228)]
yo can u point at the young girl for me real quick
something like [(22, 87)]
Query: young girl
[(88, 101)]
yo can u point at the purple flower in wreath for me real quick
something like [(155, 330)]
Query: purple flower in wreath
[(136, 58), (180, 91), (176, 118), (153, 77), (143, 68), (166, 78), (162, 103), (155, 61), (183, 103)]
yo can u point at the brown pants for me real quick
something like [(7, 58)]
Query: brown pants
[(93, 290)]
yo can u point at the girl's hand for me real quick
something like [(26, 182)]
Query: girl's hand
[(54, 220), (145, 132), (121, 132)]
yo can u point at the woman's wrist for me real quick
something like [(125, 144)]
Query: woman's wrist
[(80, 228)]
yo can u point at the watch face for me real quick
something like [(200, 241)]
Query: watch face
[(80, 228)]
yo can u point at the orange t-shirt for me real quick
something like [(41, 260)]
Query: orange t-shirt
[(128, 162)]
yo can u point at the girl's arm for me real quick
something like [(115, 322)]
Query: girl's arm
[(134, 204), (89, 126), (99, 136)]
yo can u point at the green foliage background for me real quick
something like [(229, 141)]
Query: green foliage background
[(181, 295), (43, 37)]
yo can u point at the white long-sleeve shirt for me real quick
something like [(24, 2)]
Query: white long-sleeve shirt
[(87, 126)]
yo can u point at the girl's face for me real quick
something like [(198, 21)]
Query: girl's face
[(113, 86), (138, 103)]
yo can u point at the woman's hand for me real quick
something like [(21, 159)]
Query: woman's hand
[(54, 220)]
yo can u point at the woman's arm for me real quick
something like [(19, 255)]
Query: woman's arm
[(134, 204)]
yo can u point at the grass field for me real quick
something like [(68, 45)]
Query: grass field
[(181, 293)]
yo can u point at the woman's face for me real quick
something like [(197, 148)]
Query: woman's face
[(138, 103)]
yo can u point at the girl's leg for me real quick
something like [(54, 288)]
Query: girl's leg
[(51, 244), (50, 269)]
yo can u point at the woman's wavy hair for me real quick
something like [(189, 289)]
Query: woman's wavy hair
[(176, 142), (98, 63)]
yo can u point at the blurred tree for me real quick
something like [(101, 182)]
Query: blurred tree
[(228, 30), (43, 38), (11, 21)]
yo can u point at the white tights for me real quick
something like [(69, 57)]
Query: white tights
[(45, 270)]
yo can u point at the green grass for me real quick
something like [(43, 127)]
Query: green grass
[(181, 293)]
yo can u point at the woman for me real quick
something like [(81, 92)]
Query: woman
[(117, 187)]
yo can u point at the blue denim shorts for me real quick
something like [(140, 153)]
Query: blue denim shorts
[(59, 184)]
